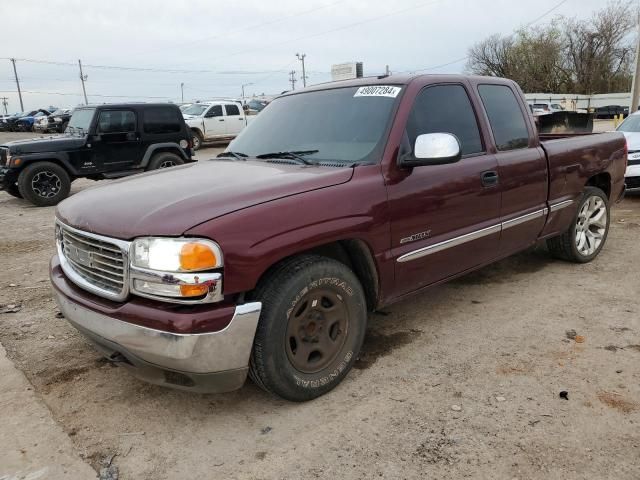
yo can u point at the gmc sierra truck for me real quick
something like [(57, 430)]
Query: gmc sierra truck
[(337, 200)]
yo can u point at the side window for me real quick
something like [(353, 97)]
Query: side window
[(215, 111), (445, 109), (117, 121), (232, 109), (161, 120), (506, 119)]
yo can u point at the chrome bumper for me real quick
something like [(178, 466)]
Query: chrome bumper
[(205, 362)]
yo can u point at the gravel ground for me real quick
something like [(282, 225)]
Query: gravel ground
[(462, 381)]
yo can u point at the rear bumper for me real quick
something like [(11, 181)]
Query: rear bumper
[(210, 362)]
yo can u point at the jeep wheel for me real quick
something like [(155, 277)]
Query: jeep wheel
[(588, 232), (13, 190), (164, 160), (196, 138), (311, 327), (44, 183)]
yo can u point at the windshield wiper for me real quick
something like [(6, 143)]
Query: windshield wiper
[(236, 155), (296, 155)]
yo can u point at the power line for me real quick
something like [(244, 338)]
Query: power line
[(80, 94), (458, 60)]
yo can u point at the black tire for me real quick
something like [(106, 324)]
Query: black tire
[(197, 139), (44, 183), (164, 160), (13, 190), (566, 246), (286, 294)]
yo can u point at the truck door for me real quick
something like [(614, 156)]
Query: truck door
[(522, 167), (116, 144), (445, 219), (214, 123), (234, 121)]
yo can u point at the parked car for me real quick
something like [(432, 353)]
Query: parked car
[(255, 106), (103, 141), (25, 123), (546, 108), (631, 130), (337, 199), (10, 122), (215, 120), (610, 111), (56, 122)]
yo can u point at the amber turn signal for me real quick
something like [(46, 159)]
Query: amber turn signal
[(193, 290), (197, 256)]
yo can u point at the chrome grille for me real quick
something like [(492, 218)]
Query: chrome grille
[(94, 262)]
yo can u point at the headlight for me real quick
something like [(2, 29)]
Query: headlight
[(176, 269), (176, 254)]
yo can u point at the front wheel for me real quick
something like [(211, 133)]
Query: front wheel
[(311, 327), (586, 236), (197, 139), (44, 183)]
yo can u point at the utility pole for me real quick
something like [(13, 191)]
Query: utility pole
[(15, 72), (244, 85), (5, 104), (292, 79), (304, 75), (182, 91), (635, 85), (82, 79)]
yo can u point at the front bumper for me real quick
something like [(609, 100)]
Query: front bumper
[(632, 178), (211, 362)]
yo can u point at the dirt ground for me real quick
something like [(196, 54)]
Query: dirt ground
[(462, 381)]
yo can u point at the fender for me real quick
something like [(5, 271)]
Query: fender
[(56, 157), (153, 148)]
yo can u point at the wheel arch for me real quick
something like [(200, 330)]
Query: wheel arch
[(162, 147), (355, 254), (58, 158), (602, 181)]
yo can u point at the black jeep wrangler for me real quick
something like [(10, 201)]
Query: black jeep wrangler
[(103, 141)]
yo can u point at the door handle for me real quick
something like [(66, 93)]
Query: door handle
[(490, 178), (221, 119)]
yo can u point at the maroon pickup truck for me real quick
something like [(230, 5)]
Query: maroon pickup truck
[(337, 200)]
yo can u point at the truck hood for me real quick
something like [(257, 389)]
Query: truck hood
[(170, 202), (50, 143)]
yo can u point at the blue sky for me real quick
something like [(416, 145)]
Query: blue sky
[(221, 45)]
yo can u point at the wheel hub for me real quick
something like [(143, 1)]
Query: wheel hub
[(316, 331), (591, 225), (46, 184)]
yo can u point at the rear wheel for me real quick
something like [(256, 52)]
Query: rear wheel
[(311, 327), (44, 183), (588, 232), (164, 160)]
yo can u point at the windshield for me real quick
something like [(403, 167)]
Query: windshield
[(81, 120), (342, 124), (631, 124), (196, 109), (60, 111)]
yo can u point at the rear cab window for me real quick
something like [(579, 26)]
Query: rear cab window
[(446, 109), (158, 120), (506, 119), (232, 109)]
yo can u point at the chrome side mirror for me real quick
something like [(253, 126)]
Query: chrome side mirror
[(433, 149)]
